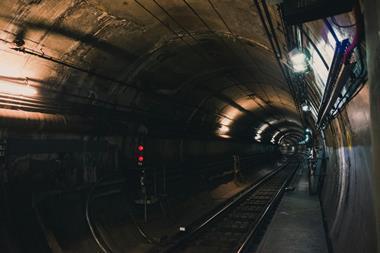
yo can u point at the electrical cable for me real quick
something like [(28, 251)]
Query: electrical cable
[(272, 39), (357, 36), (352, 91), (333, 20), (315, 48)]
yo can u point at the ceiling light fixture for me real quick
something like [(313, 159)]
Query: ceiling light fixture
[(299, 60)]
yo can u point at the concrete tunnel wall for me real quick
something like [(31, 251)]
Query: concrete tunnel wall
[(372, 25), (347, 193), (102, 156)]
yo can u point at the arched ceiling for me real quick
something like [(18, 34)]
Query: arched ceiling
[(204, 65)]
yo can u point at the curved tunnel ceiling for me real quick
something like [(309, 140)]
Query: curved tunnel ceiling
[(203, 65)]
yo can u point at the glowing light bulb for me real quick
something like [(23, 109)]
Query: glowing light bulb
[(299, 68), (299, 60)]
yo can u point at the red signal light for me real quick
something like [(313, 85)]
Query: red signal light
[(140, 158), (140, 148)]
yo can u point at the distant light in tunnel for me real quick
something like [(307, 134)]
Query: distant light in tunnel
[(305, 107), (258, 137), (273, 140), (306, 140), (17, 89), (261, 129)]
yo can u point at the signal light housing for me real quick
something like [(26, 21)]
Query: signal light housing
[(140, 155)]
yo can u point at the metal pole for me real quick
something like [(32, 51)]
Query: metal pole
[(164, 168)]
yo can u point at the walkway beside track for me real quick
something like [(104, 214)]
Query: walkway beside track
[(297, 225)]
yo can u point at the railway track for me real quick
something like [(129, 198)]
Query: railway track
[(234, 227)]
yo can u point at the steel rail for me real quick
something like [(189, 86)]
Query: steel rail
[(274, 201), (223, 210)]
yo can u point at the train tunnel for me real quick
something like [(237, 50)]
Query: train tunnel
[(189, 126)]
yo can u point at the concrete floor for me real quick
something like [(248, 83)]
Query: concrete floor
[(297, 225)]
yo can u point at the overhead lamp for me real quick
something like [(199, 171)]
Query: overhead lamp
[(299, 60), (17, 89)]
